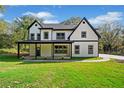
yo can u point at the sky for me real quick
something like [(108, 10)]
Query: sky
[(55, 14)]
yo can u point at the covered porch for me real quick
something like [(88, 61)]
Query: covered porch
[(47, 49)]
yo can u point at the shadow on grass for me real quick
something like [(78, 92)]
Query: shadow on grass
[(9, 58), (47, 62)]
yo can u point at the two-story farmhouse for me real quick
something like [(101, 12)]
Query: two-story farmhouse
[(55, 41)]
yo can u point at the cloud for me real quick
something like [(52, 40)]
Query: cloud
[(109, 17), (50, 21), (1, 15), (44, 15), (47, 16)]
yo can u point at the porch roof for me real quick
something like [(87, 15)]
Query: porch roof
[(44, 41)]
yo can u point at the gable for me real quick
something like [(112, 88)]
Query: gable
[(84, 25)]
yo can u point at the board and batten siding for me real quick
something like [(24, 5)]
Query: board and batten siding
[(84, 27), (84, 49), (34, 29)]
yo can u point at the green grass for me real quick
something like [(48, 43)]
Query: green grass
[(86, 58), (15, 73)]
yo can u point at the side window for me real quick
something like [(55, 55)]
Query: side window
[(46, 34), (90, 49), (77, 49), (60, 36), (83, 34), (32, 36), (38, 36)]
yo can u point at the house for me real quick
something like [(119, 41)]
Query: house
[(56, 41)]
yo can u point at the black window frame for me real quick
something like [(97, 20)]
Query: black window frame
[(38, 37), (77, 49), (60, 36), (90, 49), (32, 37), (60, 49), (83, 34), (46, 35)]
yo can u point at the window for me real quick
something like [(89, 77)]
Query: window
[(60, 36), (83, 22), (45, 35), (60, 49), (90, 49), (38, 36), (32, 36), (83, 34), (77, 49), (35, 24)]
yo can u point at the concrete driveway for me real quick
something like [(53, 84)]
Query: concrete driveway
[(107, 56)]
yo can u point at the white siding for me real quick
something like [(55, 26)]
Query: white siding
[(34, 29), (84, 49), (90, 34)]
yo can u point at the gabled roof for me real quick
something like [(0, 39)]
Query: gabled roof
[(33, 23), (64, 27), (54, 26), (89, 25)]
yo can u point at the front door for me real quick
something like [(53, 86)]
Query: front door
[(38, 51)]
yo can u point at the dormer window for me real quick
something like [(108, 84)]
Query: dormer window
[(32, 36), (83, 34)]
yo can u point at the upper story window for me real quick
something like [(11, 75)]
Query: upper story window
[(46, 34), (90, 49), (32, 36), (38, 36), (60, 36), (77, 49), (83, 34)]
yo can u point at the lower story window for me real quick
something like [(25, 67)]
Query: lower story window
[(77, 49), (60, 49), (90, 49)]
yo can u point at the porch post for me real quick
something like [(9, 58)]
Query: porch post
[(35, 50), (18, 49), (71, 50), (53, 50)]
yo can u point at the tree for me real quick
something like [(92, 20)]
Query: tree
[(72, 21), (110, 40)]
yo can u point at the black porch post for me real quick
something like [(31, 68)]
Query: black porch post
[(35, 50), (18, 50), (71, 50), (53, 50)]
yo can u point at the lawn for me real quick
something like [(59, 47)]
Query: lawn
[(15, 73)]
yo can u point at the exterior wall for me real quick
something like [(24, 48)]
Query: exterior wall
[(46, 50), (34, 29), (84, 49), (90, 34), (32, 50), (67, 33)]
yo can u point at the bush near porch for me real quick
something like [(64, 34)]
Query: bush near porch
[(15, 73)]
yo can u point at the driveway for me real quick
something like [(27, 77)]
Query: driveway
[(107, 56)]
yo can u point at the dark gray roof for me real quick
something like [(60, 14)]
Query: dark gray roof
[(58, 26)]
